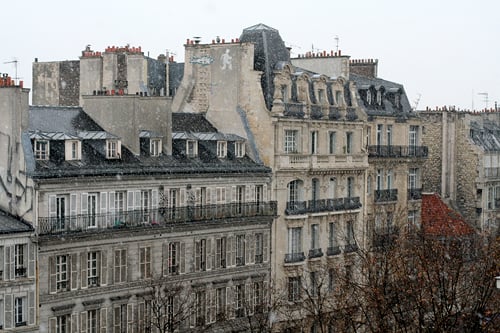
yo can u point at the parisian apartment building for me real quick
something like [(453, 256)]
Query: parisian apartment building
[(242, 168)]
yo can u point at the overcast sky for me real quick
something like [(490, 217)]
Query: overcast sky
[(444, 52)]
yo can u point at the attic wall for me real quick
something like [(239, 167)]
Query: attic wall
[(46, 83), (432, 138), (331, 66)]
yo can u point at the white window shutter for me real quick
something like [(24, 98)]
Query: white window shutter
[(73, 209), (154, 199), (104, 320), (74, 271), (209, 254), (83, 268), (52, 206), (52, 274), (52, 325), (83, 320), (12, 262), (182, 258), (130, 318), (104, 202), (31, 259), (9, 313), (74, 322), (265, 247), (130, 200), (104, 268), (84, 203)]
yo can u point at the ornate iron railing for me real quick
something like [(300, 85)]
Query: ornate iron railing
[(294, 257), (386, 195), (397, 151), (414, 193), (323, 205), (152, 217)]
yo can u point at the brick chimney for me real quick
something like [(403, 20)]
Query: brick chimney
[(364, 67)]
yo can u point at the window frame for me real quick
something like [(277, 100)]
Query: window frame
[(221, 149), (42, 149)]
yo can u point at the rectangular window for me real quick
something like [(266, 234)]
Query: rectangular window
[(379, 179), (19, 259), (220, 304), (295, 240), (413, 138), (200, 307), (41, 150), (259, 248), (350, 187), (239, 149), (332, 235), (145, 206), (348, 142), (291, 137), (220, 255), (412, 219), (412, 178), (112, 149), (145, 262), (240, 300), (332, 142), (75, 150), (258, 297), (240, 250), (315, 236), (314, 142), (259, 197), (191, 148), (20, 311), (173, 258), (120, 266), (93, 268), (201, 255), (350, 233), (379, 134), (92, 209), (63, 324), (314, 287), (61, 212), (62, 276), (294, 291), (221, 149), (155, 147), (389, 135), (92, 321), (120, 318), (389, 179), (331, 279)]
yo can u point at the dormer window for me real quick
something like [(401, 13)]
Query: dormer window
[(73, 150), (41, 149), (191, 148), (155, 147), (397, 100), (221, 149), (239, 149), (113, 149), (338, 97)]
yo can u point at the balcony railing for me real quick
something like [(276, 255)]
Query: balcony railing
[(492, 172), (414, 193), (350, 247), (323, 205), (20, 271), (294, 257), (397, 151), (333, 250), (153, 217), (386, 195), (315, 253), (316, 111), (296, 110)]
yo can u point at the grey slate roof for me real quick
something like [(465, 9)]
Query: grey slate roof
[(486, 136), (10, 224), (74, 121), (388, 109)]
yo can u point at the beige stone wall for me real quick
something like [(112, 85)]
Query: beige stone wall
[(432, 138), (46, 83)]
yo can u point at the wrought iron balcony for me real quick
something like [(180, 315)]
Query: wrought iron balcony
[(152, 217), (294, 257), (350, 247), (492, 172), (323, 205), (315, 253), (414, 193), (333, 250), (20, 271), (316, 111), (397, 151), (386, 195)]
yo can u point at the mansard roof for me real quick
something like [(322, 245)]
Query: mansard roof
[(10, 224), (388, 109), (486, 136), (55, 122)]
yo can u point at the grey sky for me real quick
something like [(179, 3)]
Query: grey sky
[(445, 51)]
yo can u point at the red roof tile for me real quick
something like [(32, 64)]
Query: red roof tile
[(440, 220)]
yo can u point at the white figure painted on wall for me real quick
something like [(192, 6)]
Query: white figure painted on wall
[(226, 60)]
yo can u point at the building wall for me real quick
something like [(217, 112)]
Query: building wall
[(433, 139), (332, 66), (125, 116)]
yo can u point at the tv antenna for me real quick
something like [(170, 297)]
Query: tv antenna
[(419, 95), (337, 43), (485, 94), (15, 62)]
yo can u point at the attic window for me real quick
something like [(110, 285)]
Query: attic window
[(113, 149), (41, 149), (73, 150), (397, 99), (191, 148), (155, 147), (221, 149), (239, 149)]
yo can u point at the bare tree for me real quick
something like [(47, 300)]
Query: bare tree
[(166, 306)]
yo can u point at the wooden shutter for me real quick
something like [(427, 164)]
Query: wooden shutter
[(83, 268), (264, 193), (31, 308), (165, 255), (84, 204), (112, 208), (31, 259), (265, 246), (9, 314), (52, 275), (104, 268), (83, 321), (250, 248), (230, 301), (52, 206), (249, 298), (182, 257), (232, 250), (209, 195), (209, 254), (74, 322), (197, 255), (12, 262), (7, 267), (74, 271), (73, 212), (130, 200), (233, 193), (103, 320), (52, 325)]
